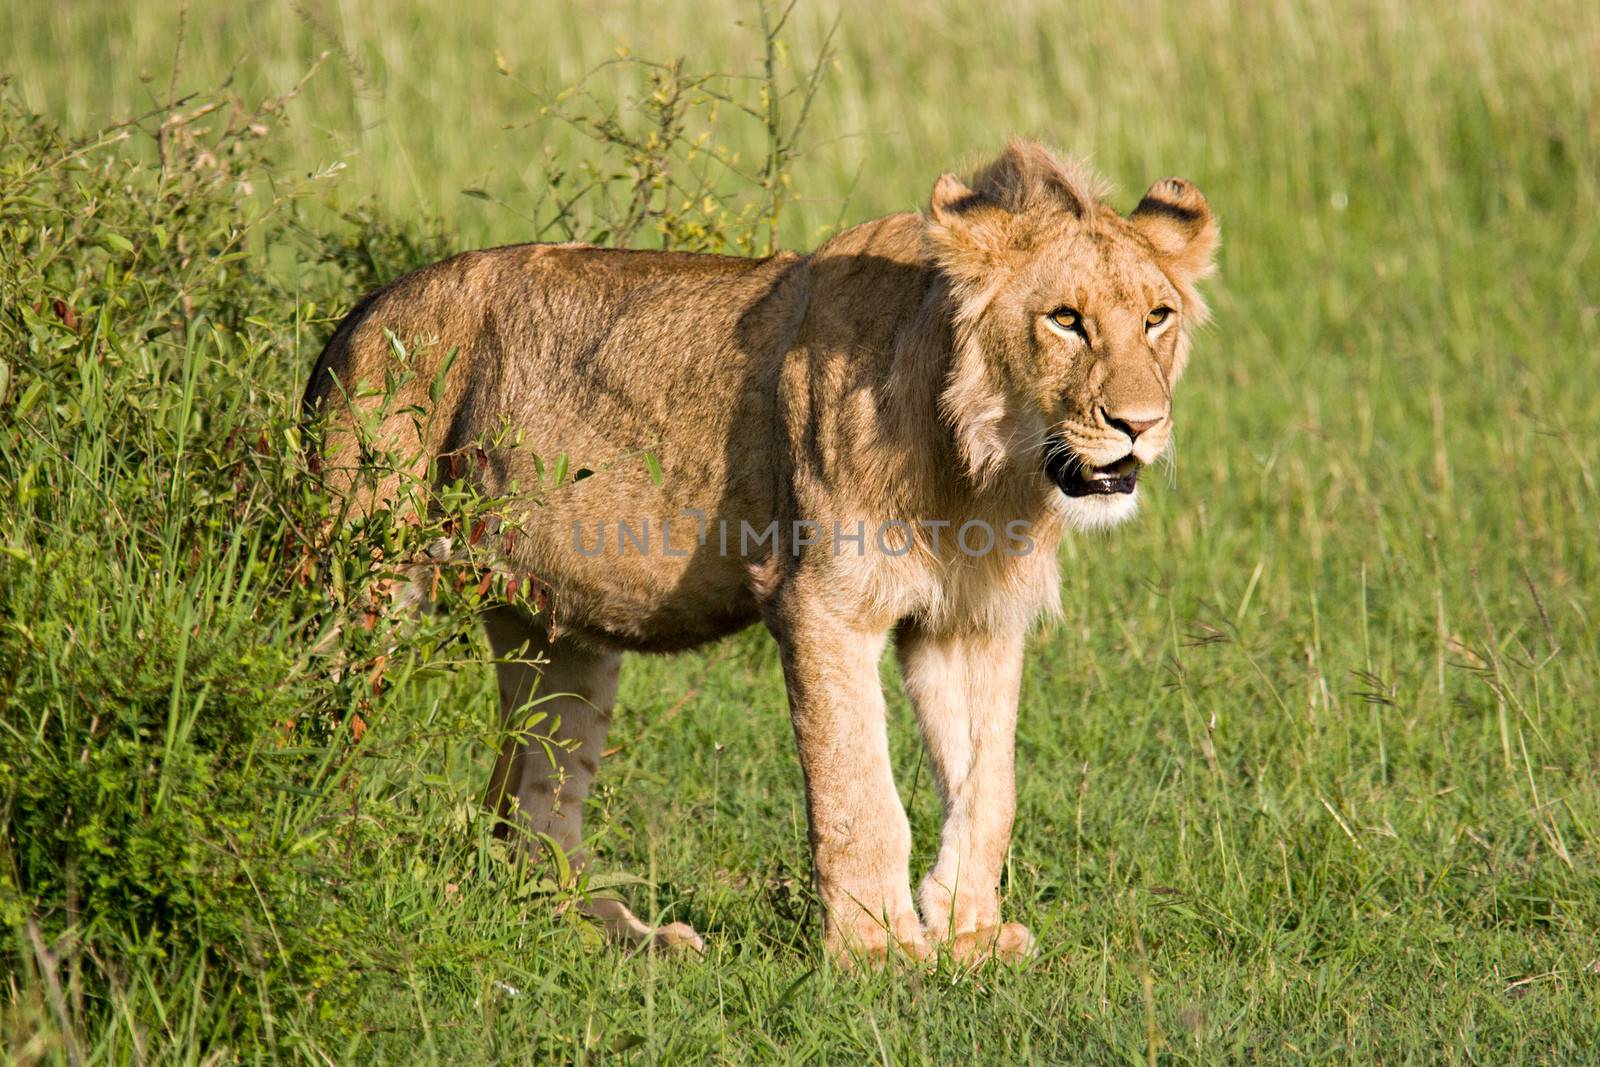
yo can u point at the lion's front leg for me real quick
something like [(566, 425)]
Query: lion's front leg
[(860, 838), (964, 687)]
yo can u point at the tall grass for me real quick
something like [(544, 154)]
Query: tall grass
[(1309, 767)]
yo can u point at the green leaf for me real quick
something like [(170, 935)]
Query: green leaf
[(29, 395), (597, 883), (653, 465), (117, 242), (559, 856)]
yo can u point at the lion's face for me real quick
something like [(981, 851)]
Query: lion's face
[(1097, 325), (1075, 328)]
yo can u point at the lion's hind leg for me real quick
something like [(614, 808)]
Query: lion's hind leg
[(546, 768)]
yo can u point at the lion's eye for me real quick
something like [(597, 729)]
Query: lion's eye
[(1067, 319), (1157, 317)]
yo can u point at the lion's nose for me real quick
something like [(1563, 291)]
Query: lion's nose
[(1132, 427)]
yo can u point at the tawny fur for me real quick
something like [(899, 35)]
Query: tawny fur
[(907, 370)]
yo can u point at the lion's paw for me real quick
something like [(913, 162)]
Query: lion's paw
[(1007, 942), (676, 938), (872, 948), (625, 928)]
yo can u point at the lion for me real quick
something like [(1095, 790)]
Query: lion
[(886, 438)]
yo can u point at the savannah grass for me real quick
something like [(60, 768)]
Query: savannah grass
[(1309, 770)]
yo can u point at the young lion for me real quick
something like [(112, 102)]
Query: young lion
[(889, 435)]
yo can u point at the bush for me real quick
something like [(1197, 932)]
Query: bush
[(163, 554)]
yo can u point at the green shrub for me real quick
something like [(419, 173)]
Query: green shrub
[(162, 555)]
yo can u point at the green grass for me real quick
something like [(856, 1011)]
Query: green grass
[(1309, 770)]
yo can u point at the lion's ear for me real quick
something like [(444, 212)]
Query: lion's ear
[(968, 230), (1175, 218), (952, 201)]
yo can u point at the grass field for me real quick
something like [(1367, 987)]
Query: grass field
[(1309, 771)]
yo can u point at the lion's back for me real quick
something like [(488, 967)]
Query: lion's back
[(561, 315), (600, 355)]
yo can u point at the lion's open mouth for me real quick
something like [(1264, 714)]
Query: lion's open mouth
[(1076, 478)]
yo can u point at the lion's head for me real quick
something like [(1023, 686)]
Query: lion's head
[(1072, 324)]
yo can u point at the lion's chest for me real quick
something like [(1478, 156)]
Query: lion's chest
[(1001, 590)]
